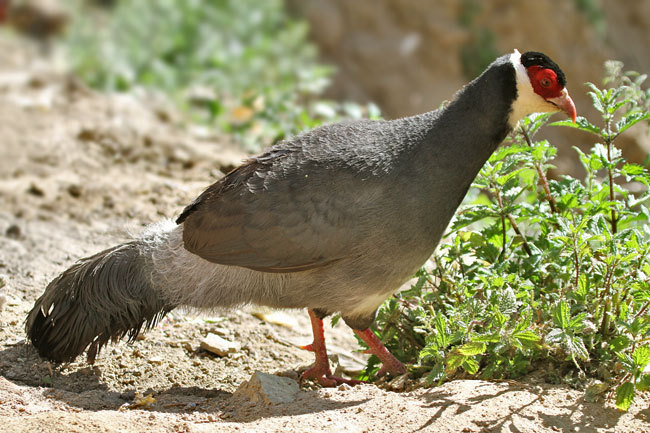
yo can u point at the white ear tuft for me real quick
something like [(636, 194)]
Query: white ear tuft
[(527, 101)]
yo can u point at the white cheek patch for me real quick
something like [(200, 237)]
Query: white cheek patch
[(527, 101)]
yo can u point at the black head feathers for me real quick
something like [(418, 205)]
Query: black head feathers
[(534, 58)]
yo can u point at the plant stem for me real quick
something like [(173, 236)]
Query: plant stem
[(503, 220), (515, 227), (643, 309), (604, 325), (611, 181), (609, 140), (576, 256), (576, 260), (542, 176)]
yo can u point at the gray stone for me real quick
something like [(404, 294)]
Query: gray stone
[(267, 389)]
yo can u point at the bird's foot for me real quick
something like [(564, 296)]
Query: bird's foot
[(390, 364), (325, 377), (394, 370), (320, 371)]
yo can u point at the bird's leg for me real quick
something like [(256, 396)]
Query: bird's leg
[(390, 364), (321, 371)]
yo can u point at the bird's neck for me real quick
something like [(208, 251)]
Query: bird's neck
[(478, 115), (472, 126), (464, 135)]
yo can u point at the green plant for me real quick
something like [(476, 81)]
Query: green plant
[(539, 271), (241, 65)]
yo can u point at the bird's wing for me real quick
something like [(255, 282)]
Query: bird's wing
[(275, 218)]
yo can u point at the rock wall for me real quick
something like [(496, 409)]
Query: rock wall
[(405, 55)]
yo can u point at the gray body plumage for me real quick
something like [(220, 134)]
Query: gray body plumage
[(335, 219)]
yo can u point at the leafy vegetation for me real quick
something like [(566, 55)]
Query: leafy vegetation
[(241, 65), (541, 272)]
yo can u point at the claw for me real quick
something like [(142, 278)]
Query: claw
[(326, 378), (320, 371)]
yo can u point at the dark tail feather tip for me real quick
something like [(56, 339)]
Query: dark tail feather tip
[(101, 298)]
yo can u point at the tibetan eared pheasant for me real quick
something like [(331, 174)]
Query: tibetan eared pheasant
[(334, 220)]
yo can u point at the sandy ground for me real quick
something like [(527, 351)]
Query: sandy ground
[(79, 171)]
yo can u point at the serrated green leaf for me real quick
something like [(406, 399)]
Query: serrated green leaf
[(626, 360), (472, 348), (429, 351), (641, 356), (454, 360), (599, 93), (561, 315), (577, 323), (470, 366), (581, 124), (441, 331), (595, 101), (630, 120), (487, 338), (625, 396), (577, 347), (612, 108), (526, 335), (632, 169)]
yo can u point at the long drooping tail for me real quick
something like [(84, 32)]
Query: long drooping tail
[(118, 292), (100, 298)]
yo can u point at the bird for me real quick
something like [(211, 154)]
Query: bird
[(333, 220)]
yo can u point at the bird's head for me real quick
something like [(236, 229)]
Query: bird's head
[(540, 86)]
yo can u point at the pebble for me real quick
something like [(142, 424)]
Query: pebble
[(13, 231), (4, 299), (219, 346)]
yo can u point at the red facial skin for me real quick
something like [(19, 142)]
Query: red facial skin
[(544, 82), (546, 85)]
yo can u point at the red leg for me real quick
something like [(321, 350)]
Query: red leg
[(321, 371), (390, 364)]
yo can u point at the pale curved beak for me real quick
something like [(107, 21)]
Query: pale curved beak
[(565, 103)]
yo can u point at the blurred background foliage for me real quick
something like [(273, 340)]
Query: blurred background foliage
[(242, 65)]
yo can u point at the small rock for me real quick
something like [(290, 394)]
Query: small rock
[(268, 389), (74, 190), (4, 299), (156, 360), (36, 190), (88, 135), (219, 346), (13, 231), (188, 346), (399, 383)]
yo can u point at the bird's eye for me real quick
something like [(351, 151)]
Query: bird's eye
[(545, 82)]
